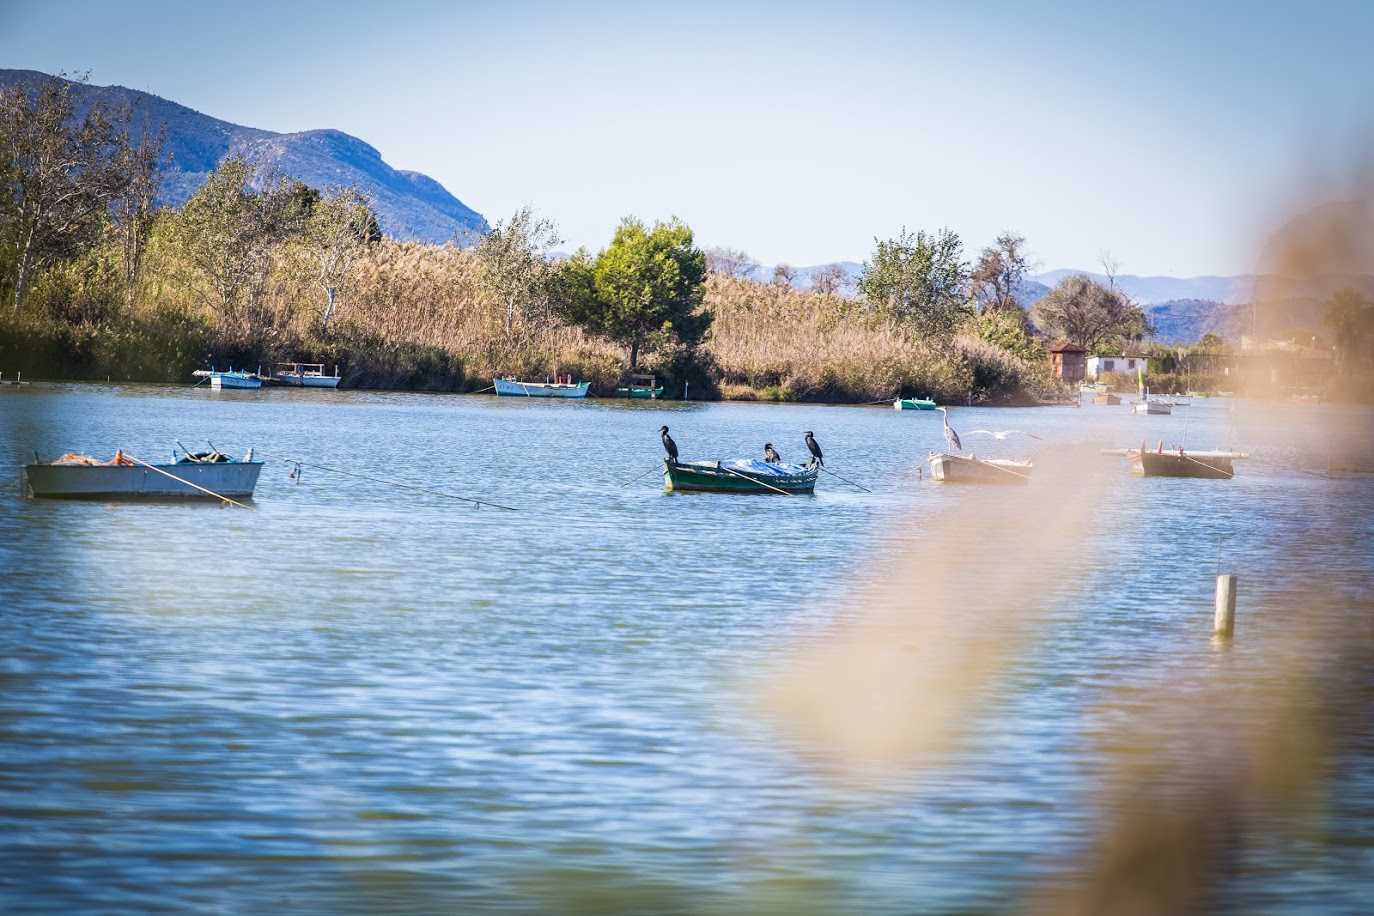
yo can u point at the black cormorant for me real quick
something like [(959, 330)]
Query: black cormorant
[(668, 444), (814, 447), (770, 454)]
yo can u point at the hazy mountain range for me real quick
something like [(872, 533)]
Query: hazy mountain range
[(408, 205)]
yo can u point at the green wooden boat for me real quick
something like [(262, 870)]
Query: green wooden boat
[(913, 404), (739, 476), (641, 386)]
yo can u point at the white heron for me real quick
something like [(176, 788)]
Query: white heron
[(1001, 434), (951, 436)]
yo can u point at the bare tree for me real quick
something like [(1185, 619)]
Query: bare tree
[(730, 262), (1088, 313), (340, 228), (997, 276), (784, 275), (1111, 267), (61, 175), (829, 280)]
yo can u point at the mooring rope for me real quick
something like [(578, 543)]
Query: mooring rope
[(389, 482)]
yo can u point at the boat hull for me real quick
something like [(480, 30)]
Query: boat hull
[(646, 394), (958, 469), (512, 388), (913, 404), (235, 382), (708, 477), (1153, 408), (236, 479), (1172, 464), (306, 381), (1109, 400)]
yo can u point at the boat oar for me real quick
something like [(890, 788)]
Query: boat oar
[(639, 477), (188, 483), (846, 479), (754, 480)]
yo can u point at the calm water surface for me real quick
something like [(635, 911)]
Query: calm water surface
[(361, 698)]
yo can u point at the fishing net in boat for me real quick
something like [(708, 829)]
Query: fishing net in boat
[(73, 458)]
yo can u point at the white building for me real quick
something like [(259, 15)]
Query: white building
[(1121, 365)]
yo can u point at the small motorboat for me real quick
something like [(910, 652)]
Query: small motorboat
[(972, 469), (644, 387), (231, 379), (561, 387), (305, 375), (1106, 398), (741, 475), (75, 476), (913, 404)]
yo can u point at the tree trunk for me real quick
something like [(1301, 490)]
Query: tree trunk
[(634, 355), (328, 309)]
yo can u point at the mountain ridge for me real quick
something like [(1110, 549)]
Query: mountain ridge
[(410, 206)]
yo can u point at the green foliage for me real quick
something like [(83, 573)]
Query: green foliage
[(1007, 330), (919, 280), (644, 291)]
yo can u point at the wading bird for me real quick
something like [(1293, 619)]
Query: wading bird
[(1001, 433), (951, 436), (669, 445), (770, 454), (814, 447)]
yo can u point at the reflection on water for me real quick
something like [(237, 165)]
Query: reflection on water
[(360, 697)]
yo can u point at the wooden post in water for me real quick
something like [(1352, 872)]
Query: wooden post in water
[(1224, 624)]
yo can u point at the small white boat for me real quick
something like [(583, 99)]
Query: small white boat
[(959, 469), (305, 375), (1152, 407), (512, 387), (230, 379), (76, 476)]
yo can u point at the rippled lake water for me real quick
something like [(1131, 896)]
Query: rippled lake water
[(363, 698)]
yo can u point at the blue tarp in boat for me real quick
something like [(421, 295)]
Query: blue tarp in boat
[(755, 467)]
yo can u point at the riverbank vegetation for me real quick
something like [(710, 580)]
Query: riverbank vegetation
[(256, 268)]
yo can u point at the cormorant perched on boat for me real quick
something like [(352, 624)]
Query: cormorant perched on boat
[(770, 454), (951, 437), (668, 444), (814, 448)]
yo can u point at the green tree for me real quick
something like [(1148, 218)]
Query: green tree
[(516, 269), (228, 232), (1089, 314), (644, 291), (1351, 316), (61, 174), (920, 280), (1007, 331)]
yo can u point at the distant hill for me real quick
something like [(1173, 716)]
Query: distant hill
[(1150, 290), (409, 205)]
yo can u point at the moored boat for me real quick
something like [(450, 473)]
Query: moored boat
[(1152, 407), (913, 404), (959, 469), (1203, 465), (1106, 398), (742, 475), (305, 375), (644, 387), (76, 476), (512, 387), (231, 379)]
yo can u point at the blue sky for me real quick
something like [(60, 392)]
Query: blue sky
[(1168, 134)]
